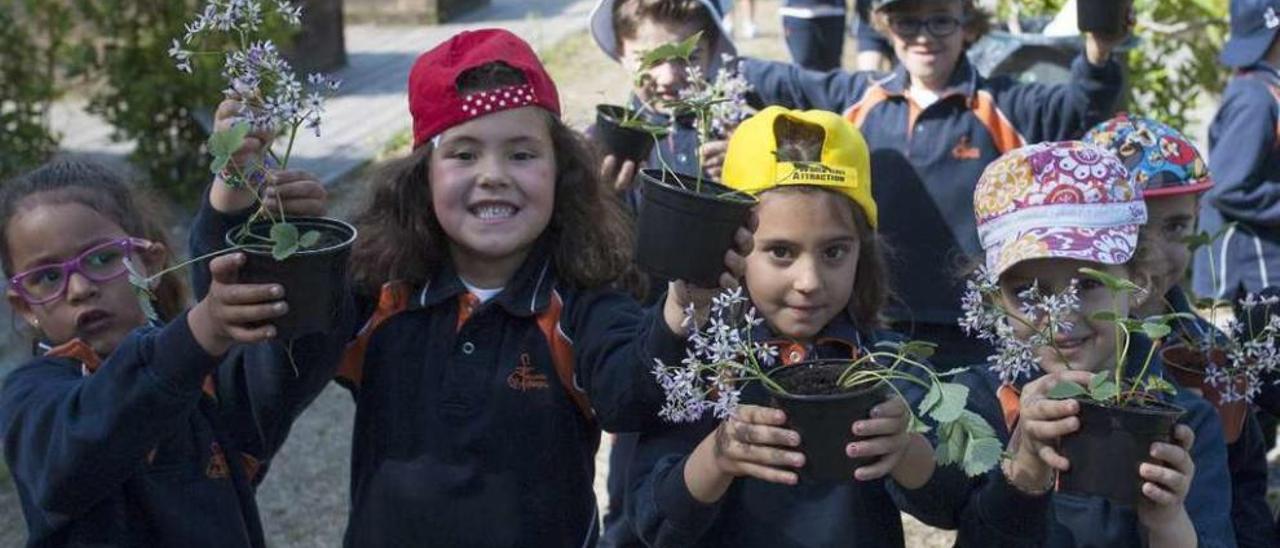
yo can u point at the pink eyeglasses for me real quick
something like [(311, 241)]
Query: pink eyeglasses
[(100, 263)]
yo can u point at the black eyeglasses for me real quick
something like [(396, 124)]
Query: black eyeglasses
[(939, 25)]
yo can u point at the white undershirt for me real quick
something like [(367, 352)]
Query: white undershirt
[(483, 294), (923, 97)]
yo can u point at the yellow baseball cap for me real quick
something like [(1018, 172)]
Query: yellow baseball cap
[(751, 164)]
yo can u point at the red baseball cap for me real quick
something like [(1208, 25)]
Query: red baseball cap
[(434, 100)]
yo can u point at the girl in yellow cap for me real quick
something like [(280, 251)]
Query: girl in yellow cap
[(818, 278)]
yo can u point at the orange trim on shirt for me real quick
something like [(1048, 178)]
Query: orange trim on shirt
[(78, 350), (467, 303), (393, 299), (562, 352), (857, 114), (1010, 402), (1005, 136)]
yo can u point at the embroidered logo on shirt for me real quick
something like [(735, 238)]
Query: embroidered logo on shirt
[(525, 377), (217, 468), (965, 151)]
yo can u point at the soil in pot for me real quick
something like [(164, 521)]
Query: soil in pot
[(823, 414), (623, 142), (1187, 366), (685, 229), (1110, 446), (1106, 17), (314, 279)]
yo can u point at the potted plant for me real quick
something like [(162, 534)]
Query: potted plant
[(701, 214), (307, 256), (823, 398), (1228, 368), (1121, 414)]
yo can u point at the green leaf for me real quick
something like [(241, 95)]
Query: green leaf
[(952, 439), (951, 403), (1160, 384), (1115, 284), (1156, 330), (285, 238), (917, 426), (1198, 241), (980, 455), (920, 350), (1105, 390), (309, 239), (931, 399), (223, 144), (1066, 390), (682, 50), (1104, 316)]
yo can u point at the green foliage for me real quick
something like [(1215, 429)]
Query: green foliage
[(146, 99), (1175, 61), (968, 441), (33, 36), (224, 144), (681, 51)]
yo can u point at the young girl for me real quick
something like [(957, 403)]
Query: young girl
[(121, 433), (817, 277), (1172, 176), (494, 356), (933, 124), (1043, 212)]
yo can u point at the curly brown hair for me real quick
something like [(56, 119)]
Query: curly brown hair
[(590, 233), (97, 187)]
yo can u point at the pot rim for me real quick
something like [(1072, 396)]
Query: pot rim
[(857, 391), (327, 222), (732, 196)]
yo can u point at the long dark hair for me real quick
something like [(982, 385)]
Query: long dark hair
[(590, 233), (97, 187)]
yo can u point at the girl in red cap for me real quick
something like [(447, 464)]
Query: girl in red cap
[(492, 352)]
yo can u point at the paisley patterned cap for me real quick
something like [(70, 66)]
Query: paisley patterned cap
[(1068, 200), (1161, 161)]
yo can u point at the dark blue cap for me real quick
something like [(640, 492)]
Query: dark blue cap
[(1253, 28)]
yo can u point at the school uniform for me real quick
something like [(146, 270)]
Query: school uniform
[(157, 444), (814, 31), (1082, 521), (758, 513), (926, 162), (1244, 204), (477, 423), (1246, 458)]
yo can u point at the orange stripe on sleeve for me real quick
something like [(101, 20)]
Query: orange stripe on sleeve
[(1005, 136), (1010, 402), (562, 353), (393, 299), (857, 114)]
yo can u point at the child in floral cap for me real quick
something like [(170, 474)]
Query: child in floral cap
[(1173, 176), (1044, 212)]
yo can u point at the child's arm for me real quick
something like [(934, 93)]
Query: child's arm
[(1247, 464), (788, 85), (72, 440), (1207, 500), (1242, 139), (1161, 511), (662, 510), (1055, 113)]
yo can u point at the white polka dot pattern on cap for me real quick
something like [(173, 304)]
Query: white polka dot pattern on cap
[(485, 102)]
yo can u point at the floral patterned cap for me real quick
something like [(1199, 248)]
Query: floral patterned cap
[(1068, 200), (1161, 161)]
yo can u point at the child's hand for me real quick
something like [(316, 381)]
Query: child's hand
[(680, 294), (250, 157), (712, 154), (1167, 484), (621, 176), (1041, 422), (751, 443), (887, 430), (1098, 47), (298, 192), (233, 312)]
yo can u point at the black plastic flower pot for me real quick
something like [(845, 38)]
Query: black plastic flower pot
[(823, 414), (1110, 445), (685, 227), (1105, 17), (314, 279), (1187, 366), (623, 142)]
